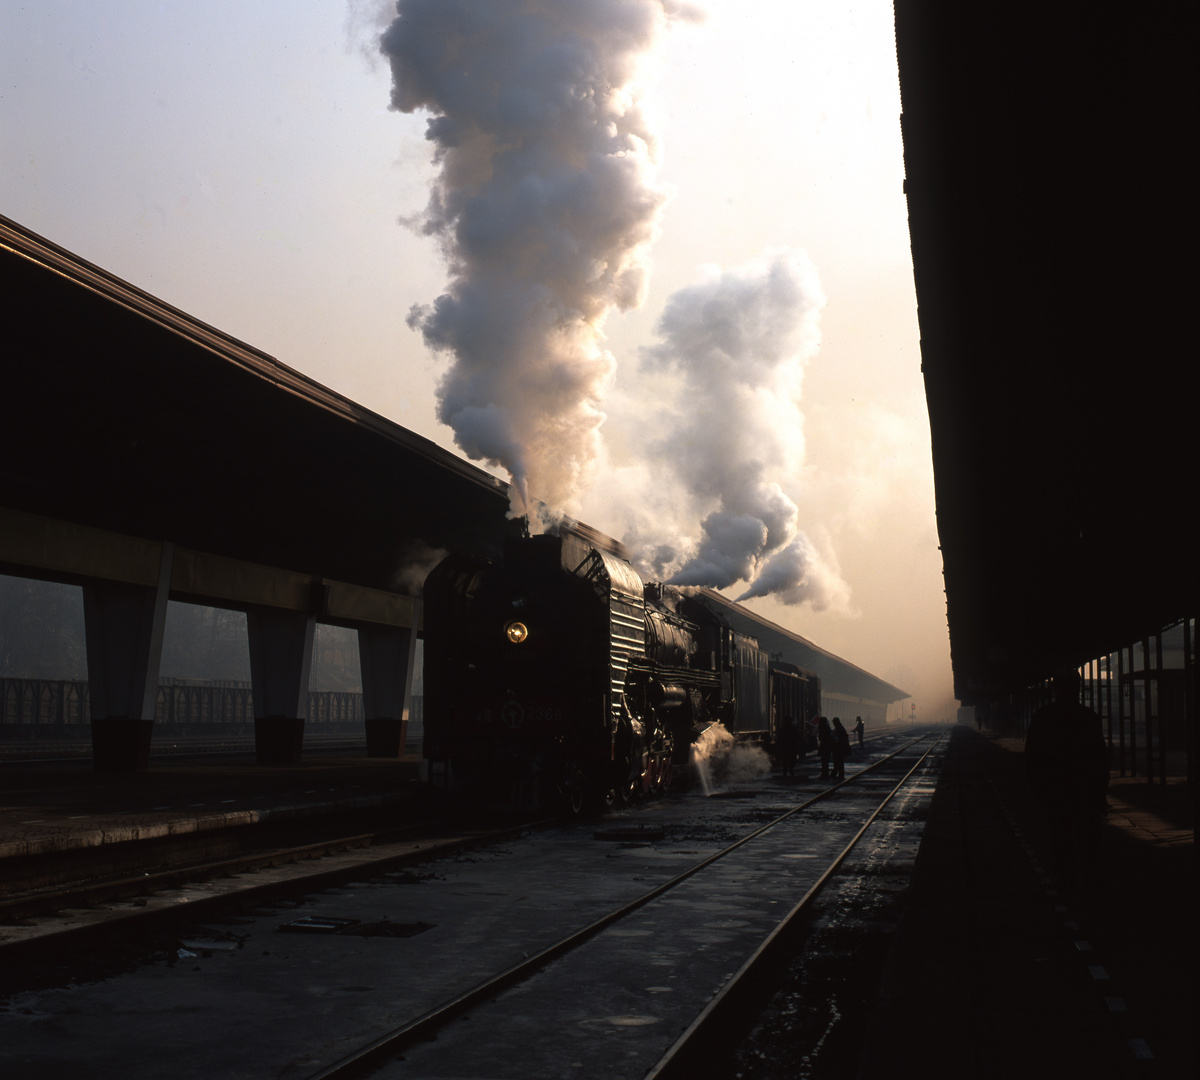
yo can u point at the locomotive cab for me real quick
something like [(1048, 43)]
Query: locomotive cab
[(517, 672)]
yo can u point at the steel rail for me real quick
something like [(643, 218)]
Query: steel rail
[(46, 901), (430, 846), (708, 1033), (75, 751), (424, 1026)]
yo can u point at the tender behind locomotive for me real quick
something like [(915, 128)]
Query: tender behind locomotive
[(556, 674)]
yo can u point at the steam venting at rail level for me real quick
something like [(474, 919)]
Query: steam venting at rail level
[(717, 758)]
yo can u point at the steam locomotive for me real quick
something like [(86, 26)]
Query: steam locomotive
[(555, 676)]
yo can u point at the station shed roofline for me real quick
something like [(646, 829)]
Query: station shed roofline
[(134, 420), (1050, 169), (838, 676), (17, 240)]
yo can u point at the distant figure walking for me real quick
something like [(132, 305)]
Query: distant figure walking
[(841, 749), (1066, 760), (859, 729), (824, 745), (788, 741)]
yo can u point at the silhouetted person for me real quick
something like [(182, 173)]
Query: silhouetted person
[(789, 745), (1067, 763), (824, 745), (808, 736), (859, 729), (841, 749)]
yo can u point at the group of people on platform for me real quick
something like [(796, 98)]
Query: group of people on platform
[(1066, 758), (830, 740)]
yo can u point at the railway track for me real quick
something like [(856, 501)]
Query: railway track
[(606, 945), (687, 1055), (41, 921), (734, 1007)]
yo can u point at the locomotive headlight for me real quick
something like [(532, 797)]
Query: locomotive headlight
[(516, 632)]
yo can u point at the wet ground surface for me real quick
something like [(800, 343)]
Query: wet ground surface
[(815, 1023), (250, 995)]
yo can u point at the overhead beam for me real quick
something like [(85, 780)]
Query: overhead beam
[(32, 545)]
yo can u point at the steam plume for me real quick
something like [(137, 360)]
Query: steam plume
[(544, 205), (737, 342)]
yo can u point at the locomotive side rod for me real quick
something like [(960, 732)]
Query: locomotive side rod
[(709, 1032), (425, 1026)]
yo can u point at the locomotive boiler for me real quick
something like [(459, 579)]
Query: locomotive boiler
[(556, 676)]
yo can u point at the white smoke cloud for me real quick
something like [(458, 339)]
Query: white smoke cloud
[(729, 431), (414, 560), (365, 21), (545, 205), (797, 574)]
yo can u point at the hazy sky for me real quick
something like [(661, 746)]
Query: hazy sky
[(241, 162)]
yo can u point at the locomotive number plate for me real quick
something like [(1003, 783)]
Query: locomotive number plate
[(515, 714)]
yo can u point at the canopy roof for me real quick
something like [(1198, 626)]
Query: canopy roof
[(1050, 159)]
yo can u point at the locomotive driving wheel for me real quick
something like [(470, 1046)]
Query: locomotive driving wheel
[(624, 777), (664, 764), (623, 794), (575, 788)]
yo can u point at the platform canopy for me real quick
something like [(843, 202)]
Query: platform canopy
[(1050, 160), (131, 420), (839, 677)]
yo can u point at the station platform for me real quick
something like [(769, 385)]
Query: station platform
[(52, 808), (1000, 968)]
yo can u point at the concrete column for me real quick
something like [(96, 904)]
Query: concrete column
[(386, 655), (281, 644), (123, 629)]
